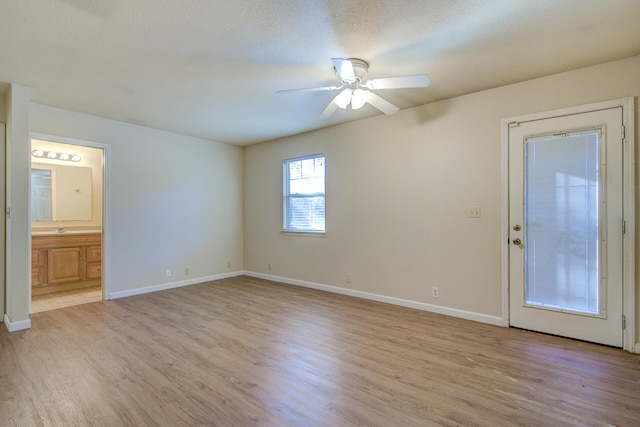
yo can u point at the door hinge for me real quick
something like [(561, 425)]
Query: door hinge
[(622, 132), (624, 322), (624, 226)]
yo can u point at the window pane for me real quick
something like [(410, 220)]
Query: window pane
[(306, 213), (308, 169), (307, 186), (319, 166), (295, 170), (304, 194), (562, 240)]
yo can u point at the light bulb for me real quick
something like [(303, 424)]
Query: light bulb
[(343, 99), (359, 98)]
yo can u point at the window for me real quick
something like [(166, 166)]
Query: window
[(303, 201)]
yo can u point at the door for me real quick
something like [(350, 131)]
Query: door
[(566, 225)]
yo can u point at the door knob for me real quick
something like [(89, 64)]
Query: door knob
[(517, 241)]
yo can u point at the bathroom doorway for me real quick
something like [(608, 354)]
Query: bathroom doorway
[(67, 209)]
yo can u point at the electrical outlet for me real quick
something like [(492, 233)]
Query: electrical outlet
[(348, 278), (228, 264), (269, 266), (168, 272), (435, 292), (187, 271)]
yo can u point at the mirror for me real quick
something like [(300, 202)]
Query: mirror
[(60, 193), (40, 195)]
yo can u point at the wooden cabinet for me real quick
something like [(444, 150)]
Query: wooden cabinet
[(65, 265), (94, 262), (63, 262), (38, 268)]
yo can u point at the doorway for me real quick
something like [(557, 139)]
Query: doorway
[(569, 200), (67, 204)]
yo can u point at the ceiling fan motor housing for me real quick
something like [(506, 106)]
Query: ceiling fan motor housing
[(360, 69)]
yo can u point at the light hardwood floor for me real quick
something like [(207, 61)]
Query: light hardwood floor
[(249, 352), (56, 300)]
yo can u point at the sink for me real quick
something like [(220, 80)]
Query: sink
[(49, 232)]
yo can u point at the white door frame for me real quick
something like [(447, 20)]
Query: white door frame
[(106, 203), (629, 275), (3, 248)]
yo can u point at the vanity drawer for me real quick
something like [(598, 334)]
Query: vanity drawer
[(37, 258), (38, 276), (38, 268), (94, 271), (94, 254)]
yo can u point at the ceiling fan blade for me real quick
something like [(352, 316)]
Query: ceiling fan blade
[(310, 89), (419, 80), (382, 104), (341, 100), (329, 110), (345, 70)]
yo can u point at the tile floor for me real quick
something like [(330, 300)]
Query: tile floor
[(65, 299)]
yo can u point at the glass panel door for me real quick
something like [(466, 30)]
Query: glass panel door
[(562, 222), (565, 215)]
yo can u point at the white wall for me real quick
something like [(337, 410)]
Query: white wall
[(18, 246), (175, 201), (398, 189)]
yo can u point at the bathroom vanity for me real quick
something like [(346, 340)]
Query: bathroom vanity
[(65, 261)]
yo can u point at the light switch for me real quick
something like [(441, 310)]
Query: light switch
[(474, 212)]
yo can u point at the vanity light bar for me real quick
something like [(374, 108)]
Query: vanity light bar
[(55, 156)]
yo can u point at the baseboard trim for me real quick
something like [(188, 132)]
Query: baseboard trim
[(165, 286), (462, 314), (16, 326), (637, 348)]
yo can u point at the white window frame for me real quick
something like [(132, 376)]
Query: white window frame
[(286, 196)]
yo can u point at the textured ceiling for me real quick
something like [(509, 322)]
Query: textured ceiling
[(211, 68)]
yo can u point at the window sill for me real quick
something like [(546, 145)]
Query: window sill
[(303, 233)]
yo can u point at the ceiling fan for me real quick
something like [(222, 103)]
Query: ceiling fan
[(356, 91)]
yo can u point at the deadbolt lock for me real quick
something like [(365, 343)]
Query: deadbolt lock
[(517, 227)]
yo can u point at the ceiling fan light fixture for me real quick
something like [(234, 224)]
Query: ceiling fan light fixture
[(359, 98), (52, 155), (354, 89), (343, 99)]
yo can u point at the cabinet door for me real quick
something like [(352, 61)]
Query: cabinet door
[(65, 265)]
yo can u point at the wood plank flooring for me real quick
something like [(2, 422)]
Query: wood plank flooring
[(249, 352), (56, 300)]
